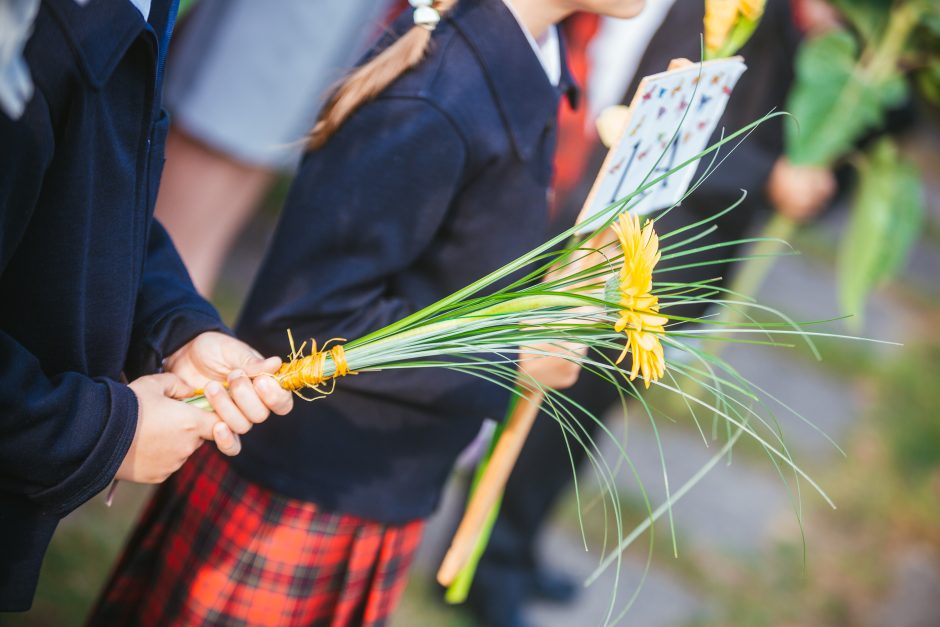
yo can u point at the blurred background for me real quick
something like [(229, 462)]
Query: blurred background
[(743, 557)]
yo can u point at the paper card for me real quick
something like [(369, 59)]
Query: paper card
[(652, 130)]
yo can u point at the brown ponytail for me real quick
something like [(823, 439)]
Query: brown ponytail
[(368, 81)]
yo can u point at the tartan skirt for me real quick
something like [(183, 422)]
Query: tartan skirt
[(215, 549)]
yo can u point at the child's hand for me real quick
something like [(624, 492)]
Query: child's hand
[(800, 192), (552, 372), (169, 431), (214, 357)]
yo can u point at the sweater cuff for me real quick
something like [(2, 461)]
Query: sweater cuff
[(169, 334), (100, 466), (174, 331)]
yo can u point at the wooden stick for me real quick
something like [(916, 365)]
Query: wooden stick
[(491, 484)]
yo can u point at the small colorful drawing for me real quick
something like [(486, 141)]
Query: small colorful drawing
[(637, 127), (653, 141)]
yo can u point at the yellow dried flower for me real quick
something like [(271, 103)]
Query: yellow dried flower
[(639, 314), (729, 23), (720, 16), (752, 9)]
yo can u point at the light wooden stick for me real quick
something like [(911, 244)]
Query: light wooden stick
[(491, 484)]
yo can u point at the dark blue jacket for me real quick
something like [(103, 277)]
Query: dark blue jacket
[(437, 182), (90, 286)]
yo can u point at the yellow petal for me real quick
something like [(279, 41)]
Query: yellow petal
[(720, 16), (751, 9)]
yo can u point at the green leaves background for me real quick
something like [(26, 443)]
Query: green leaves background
[(846, 82)]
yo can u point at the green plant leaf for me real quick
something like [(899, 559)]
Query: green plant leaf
[(885, 219), (928, 81), (834, 101), (868, 17), (931, 16)]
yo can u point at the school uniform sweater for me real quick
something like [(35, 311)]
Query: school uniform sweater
[(90, 286), (440, 180)]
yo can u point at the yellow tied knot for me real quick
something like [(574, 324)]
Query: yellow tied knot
[(310, 372)]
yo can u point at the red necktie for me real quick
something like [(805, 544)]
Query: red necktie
[(575, 144)]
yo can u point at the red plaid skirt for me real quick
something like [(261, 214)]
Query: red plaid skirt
[(215, 549)]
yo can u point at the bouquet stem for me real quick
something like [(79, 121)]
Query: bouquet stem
[(753, 272), (312, 371)]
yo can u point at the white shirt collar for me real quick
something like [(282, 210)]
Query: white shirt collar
[(547, 48), (143, 6), (615, 54)]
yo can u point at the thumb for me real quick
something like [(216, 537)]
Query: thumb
[(211, 429), (226, 440), (173, 387), (262, 366)]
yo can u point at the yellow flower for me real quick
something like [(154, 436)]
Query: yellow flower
[(752, 9), (719, 19), (724, 16), (639, 314)]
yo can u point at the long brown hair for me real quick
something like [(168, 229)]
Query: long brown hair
[(368, 80)]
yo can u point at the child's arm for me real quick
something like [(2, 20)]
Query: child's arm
[(362, 210), (62, 437), (169, 312), (176, 329)]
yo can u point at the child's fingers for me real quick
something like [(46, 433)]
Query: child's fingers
[(262, 366), (227, 442), (246, 398), (173, 386), (225, 408), (276, 398)]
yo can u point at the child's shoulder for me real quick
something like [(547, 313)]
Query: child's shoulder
[(449, 72), (481, 73), (74, 47), (452, 79)]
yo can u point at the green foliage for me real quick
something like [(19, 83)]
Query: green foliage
[(925, 54), (928, 81), (846, 82), (885, 220), (185, 6), (907, 413), (834, 102), (868, 17)]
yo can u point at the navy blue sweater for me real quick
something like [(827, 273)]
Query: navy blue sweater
[(440, 180), (89, 285)]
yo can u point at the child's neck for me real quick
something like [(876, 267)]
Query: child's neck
[(538, 15)]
